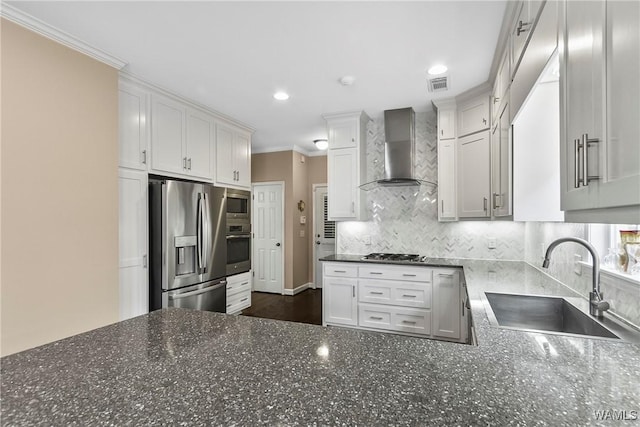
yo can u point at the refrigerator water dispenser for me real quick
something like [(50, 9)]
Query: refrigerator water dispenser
[(185, 255)]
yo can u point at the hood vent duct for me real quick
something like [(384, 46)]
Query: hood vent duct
[(399, 151)]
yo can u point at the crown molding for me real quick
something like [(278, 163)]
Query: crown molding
[(29, 22), (295, 148)]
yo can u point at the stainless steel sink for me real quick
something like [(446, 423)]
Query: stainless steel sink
[(546, 314)]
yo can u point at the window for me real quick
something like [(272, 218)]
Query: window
[(604, 237)]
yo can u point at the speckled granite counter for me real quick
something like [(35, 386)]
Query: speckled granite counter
[(198, 368)]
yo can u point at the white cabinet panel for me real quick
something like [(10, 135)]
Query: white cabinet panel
[(342, 168), (473, 115), (340, 303), (168, 135), (447, 304), (447, 180), (501, 166), (133, 126), (474, 175), (233, 156), (134, 287), (199, 144), (238, 292), (446, 123)]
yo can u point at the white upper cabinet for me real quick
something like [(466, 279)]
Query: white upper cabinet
[(500, 87), (501, 165), (473, 115), (133, 126), (181, 139), (346, 165), (522, 29), (600, 154), (447, 180), (199, 144), (474, 175), (168, 135), (446, 123), (233, 156)]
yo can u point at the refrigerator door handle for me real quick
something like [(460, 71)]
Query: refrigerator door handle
[(204, 228), (199, 231)]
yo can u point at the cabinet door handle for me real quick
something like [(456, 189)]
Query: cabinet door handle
[(442, 132), (585, 159), (484, 203), (144, 261), (408, 275), (410, 322), (442, 207), (144, 157), (353, 207), (353, 289), (238, 175), (495, 201), (576, 163), (184, 163), (462, 308), (189, 163), (522, 27), (375, 293), (409, 296), (244, 299), (375, 318), (339, 271), (374, 272)]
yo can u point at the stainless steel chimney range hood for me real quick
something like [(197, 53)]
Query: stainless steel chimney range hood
[(399, 151)]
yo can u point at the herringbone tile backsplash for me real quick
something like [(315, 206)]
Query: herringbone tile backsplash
[(405, 219)]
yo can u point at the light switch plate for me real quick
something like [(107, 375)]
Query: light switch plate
[(301, 233)]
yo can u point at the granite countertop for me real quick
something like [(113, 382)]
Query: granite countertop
[(429, 262), (178, 366)]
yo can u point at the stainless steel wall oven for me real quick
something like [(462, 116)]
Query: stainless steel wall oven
[(238, 231)]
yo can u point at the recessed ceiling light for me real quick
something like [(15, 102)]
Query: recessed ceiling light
[(347, 80), (281, 96), (437, 69), (321, 144)]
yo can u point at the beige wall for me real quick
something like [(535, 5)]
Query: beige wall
[(59, 191), (317, 167), (298, 172), (300, 243), (266, 167)]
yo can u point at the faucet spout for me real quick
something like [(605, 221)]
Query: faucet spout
[(597, 306)]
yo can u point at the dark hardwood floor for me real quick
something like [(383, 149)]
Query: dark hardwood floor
[(305, 307)]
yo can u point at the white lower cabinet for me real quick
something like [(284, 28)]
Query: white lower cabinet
[(395, 298), (447, 304), (238, 292)]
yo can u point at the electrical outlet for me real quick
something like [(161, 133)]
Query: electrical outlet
[(577, 267), (367, 240), (492, 243), (301, 233)]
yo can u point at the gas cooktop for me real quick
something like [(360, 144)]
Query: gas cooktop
[(392, 257)]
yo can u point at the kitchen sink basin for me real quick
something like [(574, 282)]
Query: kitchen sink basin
[(544, 314)]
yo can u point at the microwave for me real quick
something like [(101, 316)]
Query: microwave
[(238, 206)]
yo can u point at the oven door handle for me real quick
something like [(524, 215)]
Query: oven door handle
[(239, 236), (197, 292)]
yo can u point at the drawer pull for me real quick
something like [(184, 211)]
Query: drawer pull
[(339, 271), (244, 283), (244, 299), (409, 275), (374, 272), (410, 322), (445, 274), (228, 305), (376, 293), (375, 318), (409, 296)]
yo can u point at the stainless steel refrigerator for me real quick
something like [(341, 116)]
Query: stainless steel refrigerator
[(187, 245)]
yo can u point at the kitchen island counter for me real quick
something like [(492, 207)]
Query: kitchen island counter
[(177, 366)]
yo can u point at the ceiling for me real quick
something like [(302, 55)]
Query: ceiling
[(233, 56)]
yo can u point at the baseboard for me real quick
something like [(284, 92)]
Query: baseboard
[(297, 290)]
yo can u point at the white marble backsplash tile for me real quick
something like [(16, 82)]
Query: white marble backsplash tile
[(405, 219)]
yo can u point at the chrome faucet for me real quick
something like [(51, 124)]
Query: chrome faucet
[(597, 305)]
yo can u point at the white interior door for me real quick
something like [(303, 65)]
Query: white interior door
[(268, 237), (324, 233)]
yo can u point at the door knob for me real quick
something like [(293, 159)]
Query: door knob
[(277, 244)]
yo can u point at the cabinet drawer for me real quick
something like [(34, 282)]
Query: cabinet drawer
[(415, 321), (408, 294), (238, 302), (237, 287), (340, 270), (412, 274)]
